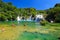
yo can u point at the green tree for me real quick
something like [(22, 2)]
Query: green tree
[(54, 14)]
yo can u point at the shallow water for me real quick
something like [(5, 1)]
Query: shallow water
[(21, 23), (36, 36), (52, 35)]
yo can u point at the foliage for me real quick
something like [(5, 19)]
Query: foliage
[(54, 14), (57, 5), (43, 22), (57, 19), (41, 11), (10, 12)]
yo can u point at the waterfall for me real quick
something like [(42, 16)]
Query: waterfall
[(29, 19), (39, 17), (18, 19)]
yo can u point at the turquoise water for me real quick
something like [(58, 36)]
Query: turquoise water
[(33, 35), (21, 23), (36, 36)]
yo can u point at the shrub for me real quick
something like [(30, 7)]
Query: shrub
[(57, 19), (43, 22)]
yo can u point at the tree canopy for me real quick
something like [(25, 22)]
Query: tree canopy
[(54, 13), (10, 12)]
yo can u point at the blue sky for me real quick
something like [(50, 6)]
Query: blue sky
[(38, 4)]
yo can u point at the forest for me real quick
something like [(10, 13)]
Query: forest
[(10, 12)]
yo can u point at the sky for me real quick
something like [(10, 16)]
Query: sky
[(37, 4)]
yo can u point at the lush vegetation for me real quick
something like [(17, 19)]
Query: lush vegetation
[(54, 13), (10, 12)]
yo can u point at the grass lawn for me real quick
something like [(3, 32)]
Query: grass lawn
[(27, 32)]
